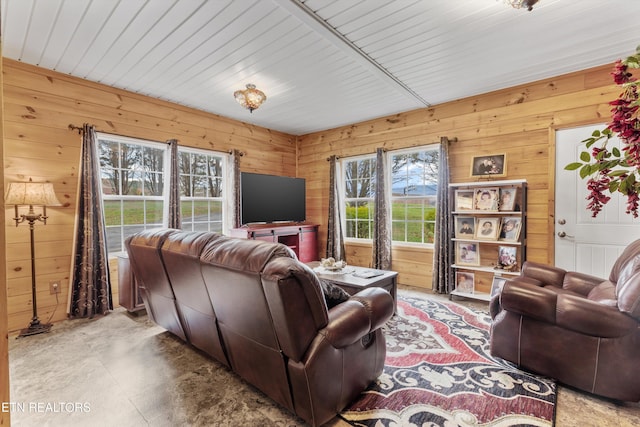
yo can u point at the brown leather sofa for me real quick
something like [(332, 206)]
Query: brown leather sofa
[(582, 330), (252, 306)]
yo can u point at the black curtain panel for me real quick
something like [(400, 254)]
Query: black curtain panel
[(174, 219), (382, 217), (90, 286), (335, 236), (443, 247)]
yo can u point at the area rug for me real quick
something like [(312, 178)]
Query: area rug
[(438, 372)]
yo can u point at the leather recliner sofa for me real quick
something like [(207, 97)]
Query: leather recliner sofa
[(577, 328), (252, 306)]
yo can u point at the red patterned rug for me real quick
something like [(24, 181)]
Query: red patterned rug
[(438, 372)]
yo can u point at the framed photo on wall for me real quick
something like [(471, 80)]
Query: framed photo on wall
[(465, 281), (467, 253), (486, 199), (465, 227), (487, 228), (497, 284), (491, 165), (507, 257), (464, 200), (510, 229), (507, 199)]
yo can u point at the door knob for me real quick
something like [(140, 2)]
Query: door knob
[(563, 234)]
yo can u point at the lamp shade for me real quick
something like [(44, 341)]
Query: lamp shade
[(250, 98), (31, 193)]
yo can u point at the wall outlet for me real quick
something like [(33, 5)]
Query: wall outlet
[(54, 287)]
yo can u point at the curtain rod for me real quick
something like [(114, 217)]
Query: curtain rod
[(80, 129), (442, 140)]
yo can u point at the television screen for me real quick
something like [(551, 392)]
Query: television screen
[(271, 198)]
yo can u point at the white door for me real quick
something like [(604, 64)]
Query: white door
[(582, 243)]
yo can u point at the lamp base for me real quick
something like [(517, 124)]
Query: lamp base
[(35, 328)]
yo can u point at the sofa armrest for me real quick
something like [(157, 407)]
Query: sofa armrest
[(378, 303), (494, 302), (592, 318), (580, 283), (529, 300), (565, 310), (363, 313), (547, 274)]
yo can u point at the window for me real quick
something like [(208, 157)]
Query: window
[(359, 179), (201, 190), (414, 183), (134, 173), (413, 180)]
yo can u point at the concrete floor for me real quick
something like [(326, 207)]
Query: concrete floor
[(121, 370)]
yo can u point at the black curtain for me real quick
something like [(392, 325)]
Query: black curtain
[(443, 247), (175, 217), (382, 217), (91, 285), (235, 188), (335, 237)]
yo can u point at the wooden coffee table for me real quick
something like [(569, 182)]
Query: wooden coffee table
[(353, 280)]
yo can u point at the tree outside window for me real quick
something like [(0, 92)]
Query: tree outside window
[(414, 183), (133, 186), (413, 179), (359, 179)]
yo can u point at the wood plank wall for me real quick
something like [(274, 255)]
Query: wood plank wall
[(5, 416), (519, 121), (39, 105)]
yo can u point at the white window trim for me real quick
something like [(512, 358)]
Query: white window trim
[(388, 187), (227, 189)]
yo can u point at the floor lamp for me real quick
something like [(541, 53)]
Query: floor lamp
[(30, 194)]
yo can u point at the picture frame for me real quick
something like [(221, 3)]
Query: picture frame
[(487, 228), (489, 165), (507, 257), (467, 253), (465, 282), (464, 200), (486, 199), (465, 227), (510, 229), (507, 199), (496, 285)]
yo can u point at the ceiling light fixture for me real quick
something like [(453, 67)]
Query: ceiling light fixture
[(520, 4), (250, 98)]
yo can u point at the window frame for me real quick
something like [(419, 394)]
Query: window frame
[(225, 187), (388, 185), (429, 147), (345, 199), (224, 199)]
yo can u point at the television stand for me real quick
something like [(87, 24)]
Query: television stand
[(302, 238)]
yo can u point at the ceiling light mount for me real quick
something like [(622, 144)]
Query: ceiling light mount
[(250, 98), (521, 4)]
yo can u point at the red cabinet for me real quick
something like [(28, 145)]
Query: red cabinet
[(302, 238)]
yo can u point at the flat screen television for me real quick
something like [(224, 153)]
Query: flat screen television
[(271, 198)]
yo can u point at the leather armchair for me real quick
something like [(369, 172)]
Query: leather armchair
[(580, 329)]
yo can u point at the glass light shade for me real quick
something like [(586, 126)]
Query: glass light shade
[(520, 4), (31, 193), (250, 98)]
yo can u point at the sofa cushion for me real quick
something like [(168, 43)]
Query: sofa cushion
[(604, 293), (628, 293), (333, 295), (626, 264)]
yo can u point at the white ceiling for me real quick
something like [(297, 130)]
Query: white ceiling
[(321, 63)]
